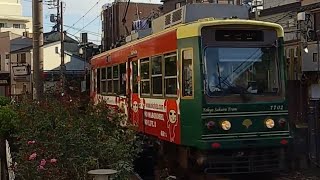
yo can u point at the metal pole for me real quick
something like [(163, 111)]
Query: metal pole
[(37, 18), (62, 66), (318, 55)]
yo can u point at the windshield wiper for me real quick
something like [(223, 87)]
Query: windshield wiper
[(219, 75)]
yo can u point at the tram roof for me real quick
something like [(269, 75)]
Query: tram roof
[(194, 29)]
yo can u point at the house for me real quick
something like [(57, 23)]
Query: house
[(9, 42), (22, 67)]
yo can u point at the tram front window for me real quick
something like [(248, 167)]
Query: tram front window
[(241, 70)]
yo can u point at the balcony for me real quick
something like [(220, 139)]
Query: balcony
[(14, 30)]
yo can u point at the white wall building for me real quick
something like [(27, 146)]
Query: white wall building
[(11, 18), (21, 61)]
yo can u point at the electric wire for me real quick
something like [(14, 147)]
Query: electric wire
[(87, 24), (85, 13)]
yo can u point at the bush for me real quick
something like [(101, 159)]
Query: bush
[(7, 117), (57, 140), (4, 101)]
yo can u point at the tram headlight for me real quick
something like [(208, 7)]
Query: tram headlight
[(226, 125), (269, 123)]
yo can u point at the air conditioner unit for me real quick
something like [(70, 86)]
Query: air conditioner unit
[(301, 16), (195, 12)]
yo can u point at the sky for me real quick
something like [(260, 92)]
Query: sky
[(73, 11)]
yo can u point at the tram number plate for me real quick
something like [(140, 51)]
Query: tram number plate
[(276, 107)]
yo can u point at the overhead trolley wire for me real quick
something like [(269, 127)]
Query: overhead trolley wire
[(87, 24), (85, 14)]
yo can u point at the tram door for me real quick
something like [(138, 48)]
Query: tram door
[(135, 112), (129, 87)]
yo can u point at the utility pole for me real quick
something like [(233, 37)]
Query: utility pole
[(62, 66), (58, 15), (37, 19)]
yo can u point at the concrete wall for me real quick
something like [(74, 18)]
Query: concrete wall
[(310, 59), (289, 24), (4, 49), (308, 2), (274, 3), (11, 7), (113, 28)]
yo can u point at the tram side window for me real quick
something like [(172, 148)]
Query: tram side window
[(145, 76), (103, 80), (187, 76), (156, 76), (123, 79), (98, 81), (135, 76), (109, 79), (170, 78), (116, 79)]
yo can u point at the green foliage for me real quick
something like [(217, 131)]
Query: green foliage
[(7, 121), (4, 101), (78, 140), (7, 117)]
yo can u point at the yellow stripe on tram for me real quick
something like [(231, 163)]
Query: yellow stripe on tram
[(194, 29)]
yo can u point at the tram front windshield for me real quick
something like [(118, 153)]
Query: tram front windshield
[(240, 70)]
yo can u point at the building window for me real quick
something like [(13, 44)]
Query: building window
[(23, 58), (145, 76), (2, 25), (187, 70), (17, 26), (170, 78), (315, 57), (225, 1), (7, 56)]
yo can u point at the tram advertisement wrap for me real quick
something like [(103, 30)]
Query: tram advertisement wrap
[(162, 119), (157, 117)]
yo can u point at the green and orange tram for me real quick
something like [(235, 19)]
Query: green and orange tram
[(212, 91)]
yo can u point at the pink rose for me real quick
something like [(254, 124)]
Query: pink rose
[(53, 160), (40, 167), (31, 142), (32, 156), (43, 162)]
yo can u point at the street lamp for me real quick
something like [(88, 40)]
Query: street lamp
[(83, 53)]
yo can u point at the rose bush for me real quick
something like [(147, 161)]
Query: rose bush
[(55, 139)]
